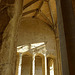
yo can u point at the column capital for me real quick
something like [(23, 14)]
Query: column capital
[(45, 54)]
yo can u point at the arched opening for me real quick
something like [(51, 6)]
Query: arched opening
[(26, 65), (39, 65), (50, 66)]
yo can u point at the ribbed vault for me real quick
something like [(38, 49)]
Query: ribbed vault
[(45, 10)]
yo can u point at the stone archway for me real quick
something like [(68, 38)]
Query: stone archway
[(26, 65)]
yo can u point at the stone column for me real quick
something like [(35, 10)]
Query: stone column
[(55, 67), (9, 42), (20, 63), (63, 51), (69, 28), (45, 64), (58, 62), (33, 64)]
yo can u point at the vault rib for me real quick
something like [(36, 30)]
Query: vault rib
[(38, 8), (30, 3), (51, 12), (28, 12), (44, 16)]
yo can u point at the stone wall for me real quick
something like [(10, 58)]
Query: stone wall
[(33, 30)]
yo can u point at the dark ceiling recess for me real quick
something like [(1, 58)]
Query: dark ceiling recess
[(7, 1), (73, 3), (4, 18), (11, 1)]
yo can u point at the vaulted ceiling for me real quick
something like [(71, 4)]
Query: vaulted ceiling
[(45, 10)]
